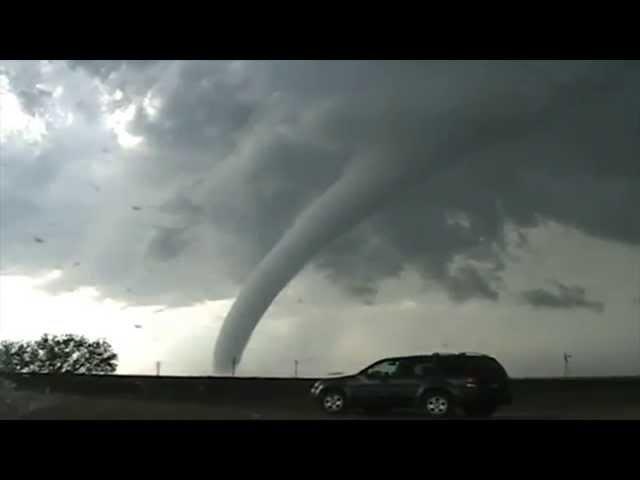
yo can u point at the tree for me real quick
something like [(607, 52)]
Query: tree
[(58, 354), (15, 356)]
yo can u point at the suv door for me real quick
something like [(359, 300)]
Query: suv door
[(389, 383), (380, 385), (404, 384), (453, 366), (412, 375)]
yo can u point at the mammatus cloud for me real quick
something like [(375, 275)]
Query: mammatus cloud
[(563, 297)]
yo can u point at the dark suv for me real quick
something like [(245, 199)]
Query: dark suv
[(437, 384)]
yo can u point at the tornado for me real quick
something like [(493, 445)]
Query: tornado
[(356, 194)]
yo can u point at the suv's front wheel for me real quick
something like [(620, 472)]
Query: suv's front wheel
[(333, 402), (437, 404)]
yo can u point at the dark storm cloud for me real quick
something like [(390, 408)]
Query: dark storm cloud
[(574, 172), (564, 296), (414, 233), (468, 283), (365, 292), (242, 148), (167, 243)]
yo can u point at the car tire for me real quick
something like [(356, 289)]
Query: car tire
[(437, 404), (333, 402), (480, 411)]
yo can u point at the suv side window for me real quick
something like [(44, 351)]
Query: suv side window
[(425, 368), (386, 368), (406, 368), (453, 366)]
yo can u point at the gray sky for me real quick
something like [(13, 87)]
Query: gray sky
[(158, 184)]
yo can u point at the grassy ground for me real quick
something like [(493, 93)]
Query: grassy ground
[(154, 398)]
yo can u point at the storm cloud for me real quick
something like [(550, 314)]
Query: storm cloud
[(234, 152), (564, 296)]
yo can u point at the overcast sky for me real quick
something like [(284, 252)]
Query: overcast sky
[(136, 198)]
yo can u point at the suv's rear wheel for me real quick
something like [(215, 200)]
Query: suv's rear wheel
[(333, 402), (437, 404)]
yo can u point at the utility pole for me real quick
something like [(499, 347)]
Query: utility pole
[(233, 367), (638, 310), (567, 357), (295, 368), (158, 368)]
